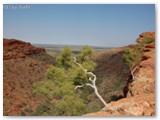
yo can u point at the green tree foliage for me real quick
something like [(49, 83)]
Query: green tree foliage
[(86, 54), (56, 74), (45, 109), (60, 82), (130, 56), (80, 77), (65, 89), (65, 58), (71, 105), (44, 88), (133, 56), (84, 58)]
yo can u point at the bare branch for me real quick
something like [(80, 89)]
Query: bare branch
[(78, 86), (85, 70), (132, 72), (90, 73), (134, 69), (89, 85), (93, 85), (90, 79)]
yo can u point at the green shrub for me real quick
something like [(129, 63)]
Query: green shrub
[(70, 105), (89, 65), (44, 88), (129, 56), (148, 40), (79, 77), (85, 55), (93, 107), (64, 60), (65, 89), (55, 73), (133, 56), (45, 109)]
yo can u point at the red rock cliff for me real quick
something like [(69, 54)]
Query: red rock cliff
[(140, 100), (13, 49), (23, 65)]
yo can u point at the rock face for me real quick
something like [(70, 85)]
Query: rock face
[(146, 34), (140, 98), (141, 105), (13, 49)]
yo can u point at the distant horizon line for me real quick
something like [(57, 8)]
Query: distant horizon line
[(60, 44), (70, 45), (54, 44)]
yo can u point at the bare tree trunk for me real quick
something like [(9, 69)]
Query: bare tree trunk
[(132, 72), (93, 81), (99, 96)]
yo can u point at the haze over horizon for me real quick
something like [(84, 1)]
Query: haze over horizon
[(78, 24)]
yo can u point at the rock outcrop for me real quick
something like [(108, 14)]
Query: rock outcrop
[(140, 98), (13, 49), (23, 65), (145, 34)]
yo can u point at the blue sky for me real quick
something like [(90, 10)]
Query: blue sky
[(96, 25)]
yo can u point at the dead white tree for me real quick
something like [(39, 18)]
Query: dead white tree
[(92, 80), (132, 72)]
